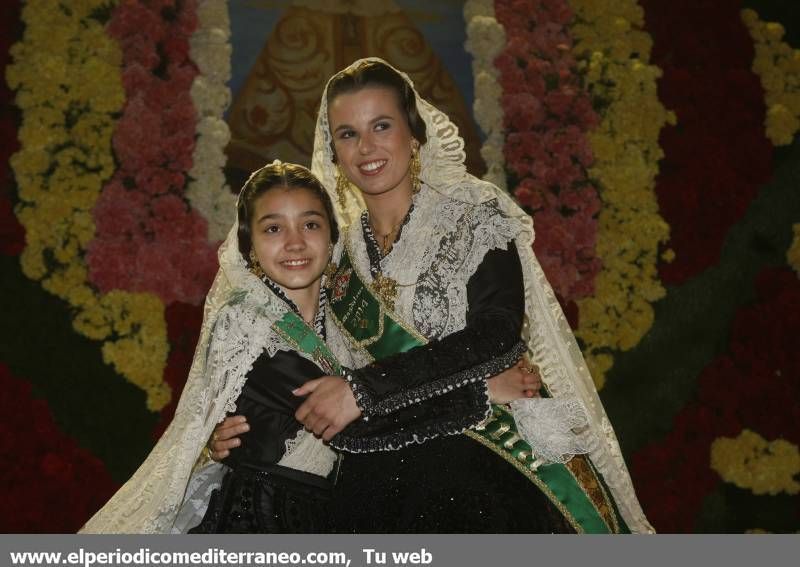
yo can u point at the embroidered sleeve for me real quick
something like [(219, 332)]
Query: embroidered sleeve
[(449, 414), (489, 344)]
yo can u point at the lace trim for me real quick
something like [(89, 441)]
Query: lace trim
[(307, 453), (557, 429), (363, 396), (411, 435), (319, 318), (440, 299), (373, 248), (441, 386)]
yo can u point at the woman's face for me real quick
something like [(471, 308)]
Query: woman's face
[(291, 236), (372, 140)]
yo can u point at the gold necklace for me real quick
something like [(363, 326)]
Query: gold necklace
[(385, 244)]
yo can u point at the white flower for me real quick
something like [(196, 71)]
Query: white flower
[(211, 52), (212, 13), (486, 38)]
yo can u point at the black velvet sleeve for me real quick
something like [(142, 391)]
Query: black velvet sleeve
[(448, 414), (422, 391)]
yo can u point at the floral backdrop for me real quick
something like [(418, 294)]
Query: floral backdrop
[(653, 143)]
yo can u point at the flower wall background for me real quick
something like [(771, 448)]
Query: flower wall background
[(654, 143)]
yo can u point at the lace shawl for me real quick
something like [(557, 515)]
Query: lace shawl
[(497, 219), (164, 494)]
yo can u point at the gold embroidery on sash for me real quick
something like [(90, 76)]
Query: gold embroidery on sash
[(587, 479)]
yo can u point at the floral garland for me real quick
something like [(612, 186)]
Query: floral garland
[(719, 157), (547, 115), (778, 66), (614, 52), (486, 38), (148, 237), (70, 90), (211, 51), (749, 461), (674, 475), (66, 73)]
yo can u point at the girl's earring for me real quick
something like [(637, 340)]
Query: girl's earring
[(330, 269), (416, 167), (342, 187), (255, 267)]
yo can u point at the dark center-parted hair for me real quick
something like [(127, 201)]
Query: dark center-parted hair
[(377, 74), (288, 175)]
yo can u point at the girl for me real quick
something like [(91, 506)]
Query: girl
[(262, 337)]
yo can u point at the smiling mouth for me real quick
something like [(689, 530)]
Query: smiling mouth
[(296, 264), (372, 167)]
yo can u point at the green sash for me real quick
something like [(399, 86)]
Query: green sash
[(365, 319), (302, 338), (371, 326)]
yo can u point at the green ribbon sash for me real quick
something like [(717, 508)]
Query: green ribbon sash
[(366, 320), (302, 338), (575, 488)]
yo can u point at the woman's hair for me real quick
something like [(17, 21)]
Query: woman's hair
[(377, 74), (289, 175)]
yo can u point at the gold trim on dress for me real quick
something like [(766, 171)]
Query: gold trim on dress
[(530, 476)]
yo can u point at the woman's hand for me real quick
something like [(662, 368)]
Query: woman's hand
[(520, 381), (226, 436), (329, 408)]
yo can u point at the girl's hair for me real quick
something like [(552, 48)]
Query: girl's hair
[(289, 175), (377, 74)]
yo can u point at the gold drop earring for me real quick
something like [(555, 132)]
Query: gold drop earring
[(415, 167), (342, 187), (330, 269), (255, 267)]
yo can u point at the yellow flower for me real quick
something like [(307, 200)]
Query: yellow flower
[(66, 65), (750, 461), (614, 53), (778, 67)]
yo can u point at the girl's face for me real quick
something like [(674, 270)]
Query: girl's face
[(291, 237), (372, 140)]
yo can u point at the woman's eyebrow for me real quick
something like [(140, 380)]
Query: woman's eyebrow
[(373, 121)]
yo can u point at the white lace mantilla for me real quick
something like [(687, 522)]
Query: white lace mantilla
[(164, 495), (433, 294), (551, 343)]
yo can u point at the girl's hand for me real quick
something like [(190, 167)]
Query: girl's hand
[(226, 436)]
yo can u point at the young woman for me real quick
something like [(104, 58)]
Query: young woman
[(436, 282)]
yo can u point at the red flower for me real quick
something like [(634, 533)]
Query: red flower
[(44, 470), (717, 156), (753, 386), (148, 238), (547, 115)]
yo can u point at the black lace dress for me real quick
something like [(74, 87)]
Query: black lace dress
[(257, 495), (436, 482)]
